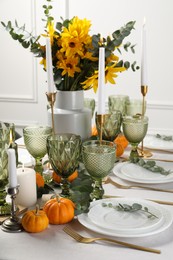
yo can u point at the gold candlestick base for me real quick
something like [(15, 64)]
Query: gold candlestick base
[(101, 119), (142, 152), (51, 97)]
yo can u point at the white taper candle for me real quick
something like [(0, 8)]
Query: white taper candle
[(49, 68), (101, 82), (144, 76), (12, 168)]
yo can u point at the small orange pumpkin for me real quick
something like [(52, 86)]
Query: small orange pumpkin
[(39, 180), (59, 210), (119, 149), (35, 221), (122, 140), (71, 178)]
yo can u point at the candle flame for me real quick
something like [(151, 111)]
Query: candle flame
[(11, 136)]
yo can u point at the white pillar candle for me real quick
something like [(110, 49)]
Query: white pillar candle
[(144, 79), (50, 80), (12, 168), (27, 195), (101, 82)]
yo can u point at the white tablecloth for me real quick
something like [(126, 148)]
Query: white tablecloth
[(54, 244)]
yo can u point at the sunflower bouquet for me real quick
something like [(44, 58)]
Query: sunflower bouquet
[(75, 52)]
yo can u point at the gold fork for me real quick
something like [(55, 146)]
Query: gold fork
[(121, 186), (82, 239)]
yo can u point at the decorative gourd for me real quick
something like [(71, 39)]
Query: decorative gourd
[(71, 178), (122, 140), (59, 210), (39, 180), (119, 149), (35, 221)]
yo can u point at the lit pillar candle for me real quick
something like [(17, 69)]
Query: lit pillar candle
[(50, 80), (144, 79), (101, 82), (27, 195), (12, 168)]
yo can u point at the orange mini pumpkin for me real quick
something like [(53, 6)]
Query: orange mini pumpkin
[(39, 180), (71, 178), (121, 144), (59, 210), (122, 140), (35, 221)]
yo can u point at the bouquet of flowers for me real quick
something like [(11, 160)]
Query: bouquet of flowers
[(75, 52)]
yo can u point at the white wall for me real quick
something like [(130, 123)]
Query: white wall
[(23, 82)]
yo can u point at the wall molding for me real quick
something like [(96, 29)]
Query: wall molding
[(33, 98), (160, 105)]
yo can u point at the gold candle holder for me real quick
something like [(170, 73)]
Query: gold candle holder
[(101, 119), (51, 97), (144, 90)]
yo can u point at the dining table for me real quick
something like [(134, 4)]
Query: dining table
[(53, 243)]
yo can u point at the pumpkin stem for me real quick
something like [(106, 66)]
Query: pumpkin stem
[(58, 197), (37, 209)]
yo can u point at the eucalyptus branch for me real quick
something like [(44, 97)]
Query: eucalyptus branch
[(150, 165), (165, 137), (130, 208)]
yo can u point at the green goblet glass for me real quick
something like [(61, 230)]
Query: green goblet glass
[(98, 158), (5, 208), (135, 129), (64, 151), (111, 125), (35, 141)]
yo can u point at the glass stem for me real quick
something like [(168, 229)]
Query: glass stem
[(98, 190), (38, 165), (65, 186), (134, 151)]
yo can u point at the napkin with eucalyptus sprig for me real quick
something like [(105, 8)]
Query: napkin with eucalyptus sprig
[(150, 165)]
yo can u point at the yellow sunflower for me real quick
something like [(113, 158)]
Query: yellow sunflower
[(91, 82), (69, 66), (110, 73), (75, 37)]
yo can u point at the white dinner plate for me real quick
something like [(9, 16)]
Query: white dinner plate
[(135, 173), (124, 220), (151, 141)]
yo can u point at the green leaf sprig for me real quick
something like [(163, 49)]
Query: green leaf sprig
[(150, 165), (130, 208), (165, 137)]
